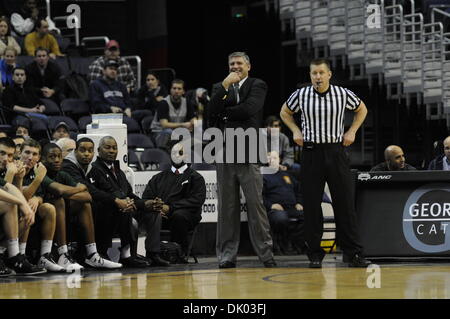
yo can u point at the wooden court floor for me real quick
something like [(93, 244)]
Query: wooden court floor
[(291, 280)]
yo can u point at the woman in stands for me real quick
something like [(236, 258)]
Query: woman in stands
[(148, 97), (6, 40), (7, 65)]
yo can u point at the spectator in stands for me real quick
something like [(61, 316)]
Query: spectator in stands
[(3, 134), (394, 160), (67, 145), (107, 95), (178, 194), (44, 75), (282, 200), (442, 161), (286, 152), (21, 98), (18, 141), (6, 40), (200, 99), (61, 131), (24, 20), (10, 218), (63, 186), (114, 201), (7, 65), (41, 38), (125, 73), (148, 97), (173, 111), (22, 130)]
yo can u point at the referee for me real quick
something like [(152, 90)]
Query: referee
[(322, 107)]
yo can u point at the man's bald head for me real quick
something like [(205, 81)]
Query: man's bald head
[(394, 157)]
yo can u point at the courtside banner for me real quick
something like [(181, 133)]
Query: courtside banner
[(404, 214), (210, 207)]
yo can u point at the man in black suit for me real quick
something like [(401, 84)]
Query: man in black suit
[(116, 214), (237, 102), (181, 192)]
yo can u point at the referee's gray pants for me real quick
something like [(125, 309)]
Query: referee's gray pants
[(248, 176)]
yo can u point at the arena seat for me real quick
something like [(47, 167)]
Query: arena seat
[(132, 125), (54, 120), (155, 159), (75, 107), (133, 160), (139, 141), (83, 122)]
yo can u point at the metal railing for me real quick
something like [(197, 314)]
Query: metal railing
[(319, 26), (136, 64), (432, 67), (412, 55), (86, 40), (354, 13), (374, 44), (393, 46), (336, 29)]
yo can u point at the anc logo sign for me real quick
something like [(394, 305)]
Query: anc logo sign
[(426, 216)]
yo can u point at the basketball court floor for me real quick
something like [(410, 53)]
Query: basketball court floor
[(292, 279)]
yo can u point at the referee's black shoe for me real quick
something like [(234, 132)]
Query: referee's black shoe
[(315, 264), (227, 264), (357, 261), (270, 263)]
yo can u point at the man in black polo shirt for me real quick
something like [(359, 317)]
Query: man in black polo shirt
[(323, 139)]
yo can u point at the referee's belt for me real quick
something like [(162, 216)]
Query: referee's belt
[(312, 145)]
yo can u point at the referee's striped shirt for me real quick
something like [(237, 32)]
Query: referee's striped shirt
[(322, 114)]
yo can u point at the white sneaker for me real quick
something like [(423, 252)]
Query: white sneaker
[(68, 263), (48, 263), (97, 261)]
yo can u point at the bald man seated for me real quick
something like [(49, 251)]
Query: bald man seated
[(394, 160), (442, 161)]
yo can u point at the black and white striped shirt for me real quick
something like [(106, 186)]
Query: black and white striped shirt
[(322, 114)]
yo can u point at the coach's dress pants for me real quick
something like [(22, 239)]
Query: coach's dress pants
[(229, 177), (328, 163)]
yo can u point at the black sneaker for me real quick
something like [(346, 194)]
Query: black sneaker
[(23, 267), (5, 271)]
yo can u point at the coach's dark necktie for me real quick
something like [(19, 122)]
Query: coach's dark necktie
[(236, 92), (177, 172), (113, 171)]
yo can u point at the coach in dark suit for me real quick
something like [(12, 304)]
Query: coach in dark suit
[(237, 102)]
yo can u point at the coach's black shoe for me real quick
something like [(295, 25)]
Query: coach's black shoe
[(270, 263), (133, 262), (315, 264), (227, 264), (156, 260), (358, 261)]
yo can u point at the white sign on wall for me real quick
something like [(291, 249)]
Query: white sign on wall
[(210, 207)]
